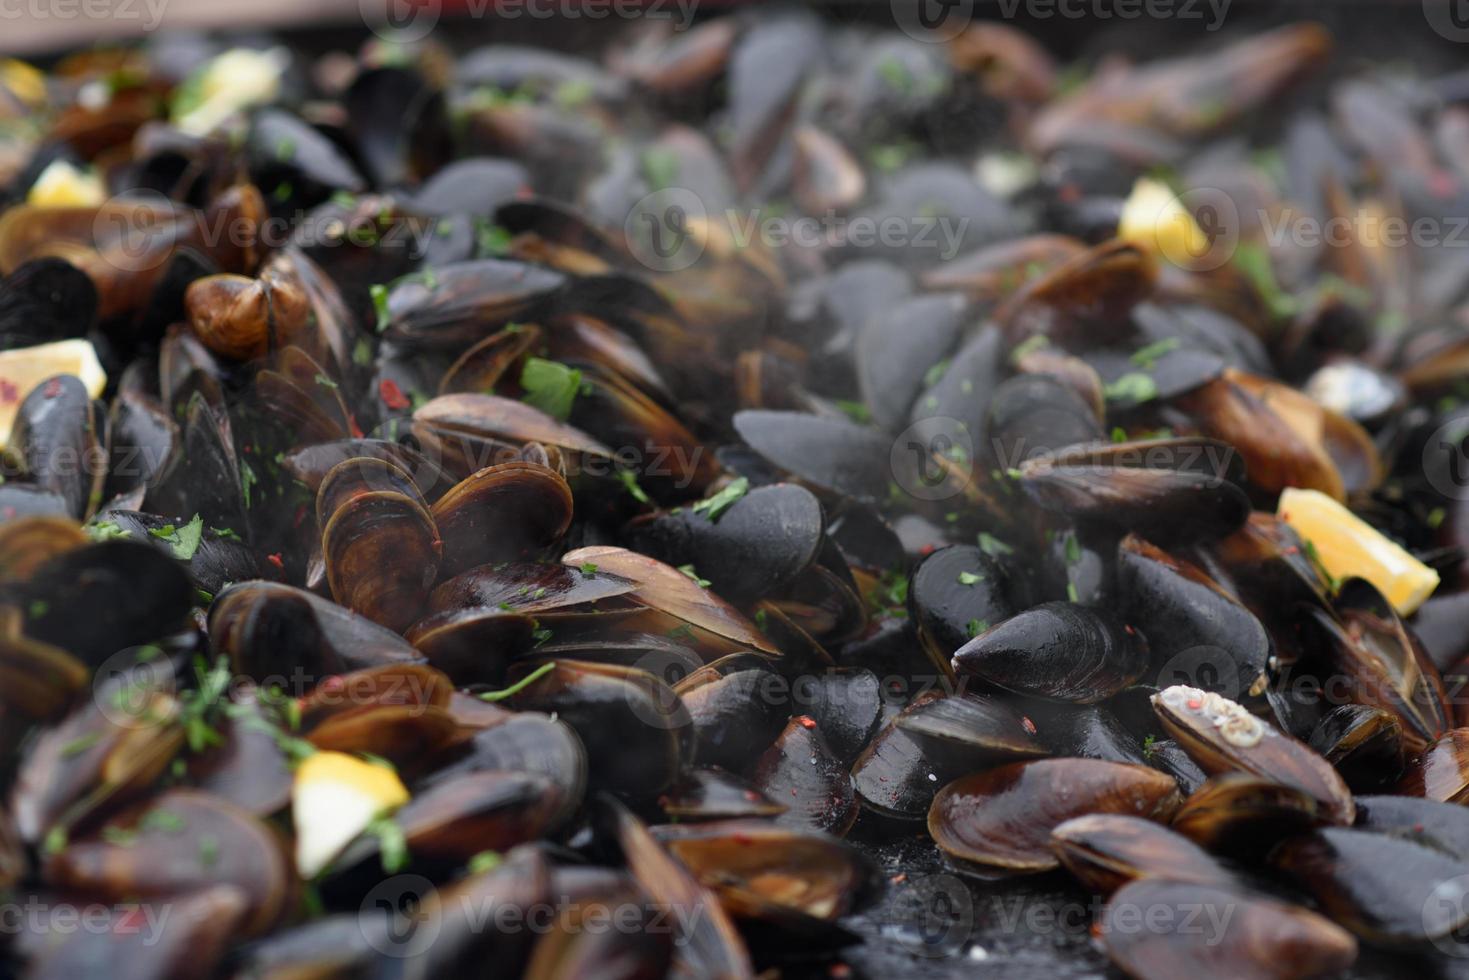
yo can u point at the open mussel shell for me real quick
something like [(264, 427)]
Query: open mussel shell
[(1107, 850), (58, 443), (754, 548), (1194, 627), (1057, 650), (1002, 818), (801, 772), (268, 630), (378, 540), (1390, 891), (176, 843), (1167, 505), (756, 867), (1365, 744), (635, 728), (666, 589), (1156, 929), (1243, 815), (1369, 643), (897, 775), (1223, 737), (505, 512), (467, 432), (1441, 771)]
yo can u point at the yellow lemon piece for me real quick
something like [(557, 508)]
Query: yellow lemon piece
[(25, 81), (23, 368), (1348, 546), (334, 798), (62, 185), (235, 80), (1155, 219)]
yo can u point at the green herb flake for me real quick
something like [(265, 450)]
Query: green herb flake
[(856, 411), (54, 841), (379, 294), (106, 531), (589, 569), (970, 578), (630, 484), (992, 545), (1135, 387), (550, 386), (690, 571), (1073, 549), (660, 167), (518, 686), (1071, 594), (392, 845), (183, 540), (164, 821), (1147, 356), (975, 627), (715, 506), (208, 850)]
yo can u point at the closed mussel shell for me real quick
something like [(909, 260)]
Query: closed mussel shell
[(1107, 850), (1057, 650), (1244, 816)]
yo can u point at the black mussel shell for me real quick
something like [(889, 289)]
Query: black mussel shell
[(1057, 650)]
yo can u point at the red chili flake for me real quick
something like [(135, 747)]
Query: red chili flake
[(300, 515), (927, 549), (9, 393), (839, 970), (332, 683), (53, 388), (391, 394), (1129, 629), (899, 878), (1292, 550), (1195, 703), (277, 560), (1027, 724), (806, 721), (352, 424)]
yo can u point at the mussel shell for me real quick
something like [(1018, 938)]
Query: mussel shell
[(1002, 818), (1057, 650), (1032, 416), (736, 716), (1441, 771), (502, 513), (831, 454), (1199, 634), (801, 772), (1160, 504), (956, 593), (971, 730), (1243, 815), (171, 856), (1155, 929), (713, 794), (57, 442), (757, 546), (526, 742), (1365, 744), (1107, 850), (1388, 890), (1222, 737), (635, 728), (462, 302), (1444, 825), (846, 705)]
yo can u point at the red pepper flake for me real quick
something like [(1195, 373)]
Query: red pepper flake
[(277, 560), (352, 424), (391, 394), (899, 878), (9, 393), (53, 388), (1129, 629), (1027, 724), (927, 549), (840, 971), (1195, 703), (130, 921), (806, 721), (300, 516), (332, 683)]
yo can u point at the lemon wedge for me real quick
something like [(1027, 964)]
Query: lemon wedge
[(62, 185), (23, 368), (25, 82), (1348, 546), (334, 798), (235, 80), (1155, 219)]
